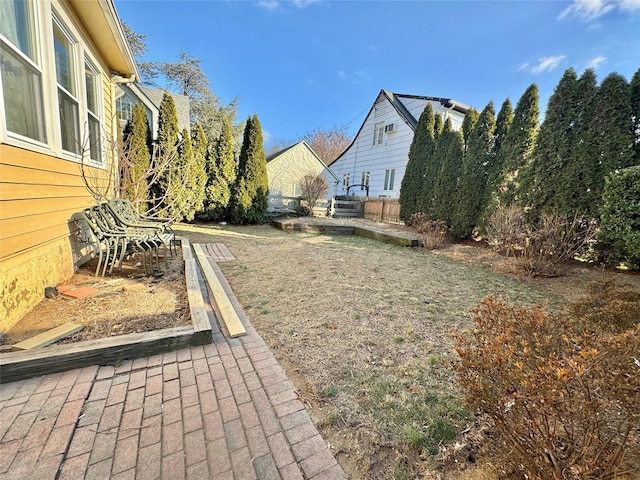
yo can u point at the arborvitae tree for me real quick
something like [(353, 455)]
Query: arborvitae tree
[(199, 143), (470, 196), (609, 134), (419, 153), (181, 200), (491, 200), (468, 124), (438, 126), (635, 112), (541, 183), (250, 195), (431, 171), (577, 176), (518, 144), (503, 123), (221, 174), (450, 144), (136, 159), (165, 157)]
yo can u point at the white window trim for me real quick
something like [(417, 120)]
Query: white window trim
[(44, 15), (99, 115), (15, 139)]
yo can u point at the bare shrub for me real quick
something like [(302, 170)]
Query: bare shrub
[(563, 400), (313, 188), (554, 240), (504, 230), (434, 232), (541, 245)]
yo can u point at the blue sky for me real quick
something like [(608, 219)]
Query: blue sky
[(303, 65)]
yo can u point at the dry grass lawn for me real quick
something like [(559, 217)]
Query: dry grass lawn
[(364, 329)]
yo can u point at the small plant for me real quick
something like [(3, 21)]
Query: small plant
[(332, 418), (434, 232), (562, 397), (413, 436), (330, 391), (398, 339)]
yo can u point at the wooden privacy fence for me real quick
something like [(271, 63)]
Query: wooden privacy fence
[(382, 210)]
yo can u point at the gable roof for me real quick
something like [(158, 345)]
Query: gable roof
[(395, 99), (276, 155), (182, 103)]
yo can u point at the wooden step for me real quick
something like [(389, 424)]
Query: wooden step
[(228, 312), (48, 337)]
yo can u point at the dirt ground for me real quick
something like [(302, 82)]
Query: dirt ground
[(125, 301), (362, 328)]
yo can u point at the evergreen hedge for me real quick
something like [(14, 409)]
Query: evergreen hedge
[(619, 236)]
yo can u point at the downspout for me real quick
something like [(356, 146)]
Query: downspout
[(116, 78)]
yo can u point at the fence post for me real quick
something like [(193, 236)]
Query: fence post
[(332, 207)]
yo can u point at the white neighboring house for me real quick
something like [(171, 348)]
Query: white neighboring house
[(377, 157), (285, 170), (129, 94)]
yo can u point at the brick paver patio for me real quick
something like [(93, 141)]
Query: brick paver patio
[(225, 410)]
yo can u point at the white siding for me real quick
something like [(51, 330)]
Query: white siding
[(391, 153), (364, 156)]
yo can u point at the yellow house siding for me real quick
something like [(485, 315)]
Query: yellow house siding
[(41, 186), (38, 195), (24, 277)]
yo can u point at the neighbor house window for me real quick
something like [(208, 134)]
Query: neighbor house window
[(389, 176), (377, 133), (365, 180), (345, 181), (21, 72), (92, 86), (124, 107), (64, 48)]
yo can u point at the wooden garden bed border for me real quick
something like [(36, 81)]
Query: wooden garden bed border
[(58, 358)]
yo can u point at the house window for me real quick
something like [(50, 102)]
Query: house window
[(21, 74), (124, 107), (389, 176), (365, 180), (345, 181), (377, 133), (92, 84), (67, 89)]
